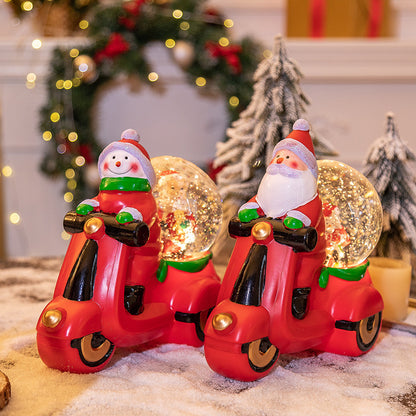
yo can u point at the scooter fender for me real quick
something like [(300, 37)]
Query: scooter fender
[(60, 323), (357, 301), (76, 319), (245, 324)]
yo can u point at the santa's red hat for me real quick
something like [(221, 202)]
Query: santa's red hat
[(299, 142), (129, 142)]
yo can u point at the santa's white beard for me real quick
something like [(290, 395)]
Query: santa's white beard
[(279, 193)]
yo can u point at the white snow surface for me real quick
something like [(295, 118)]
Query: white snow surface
[(175, 379)]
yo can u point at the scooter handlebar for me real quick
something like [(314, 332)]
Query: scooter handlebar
[(134, 234), (301, 240)]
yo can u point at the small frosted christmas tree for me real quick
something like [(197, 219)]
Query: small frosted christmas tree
[(277, 102), (388, 167)]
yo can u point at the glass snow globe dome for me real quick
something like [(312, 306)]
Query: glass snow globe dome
[(353, 214), (189, 207)]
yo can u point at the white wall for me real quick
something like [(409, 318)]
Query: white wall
[(351, 85)]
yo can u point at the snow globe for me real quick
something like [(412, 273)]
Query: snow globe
[(353, 218), (190, 213)]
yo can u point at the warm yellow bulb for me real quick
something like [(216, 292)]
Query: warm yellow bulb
[(170, 43), (83, 24), (177, 14), (73, 53), (68, 84), (228, 23), (55, 117), (153, 76), (31, 77), (184, 26), (14, 218), (72, 136), (224, 41), (70, 173), (36, 44), (234, 101), (27, 6), (7, 171), (68, 197), (59, 84), (72, 184), (80, 160), (200, 81), (47, 135)]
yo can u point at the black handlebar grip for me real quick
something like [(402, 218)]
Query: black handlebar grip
[(134, 234), (301, 240)]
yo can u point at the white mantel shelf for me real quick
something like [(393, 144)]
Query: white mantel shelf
[(355, 60), (320, 60)]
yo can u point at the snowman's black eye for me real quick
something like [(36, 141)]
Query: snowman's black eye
[(126, 157), (287, 157), (114, 157)]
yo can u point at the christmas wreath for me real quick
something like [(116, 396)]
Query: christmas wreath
[(116, 39)]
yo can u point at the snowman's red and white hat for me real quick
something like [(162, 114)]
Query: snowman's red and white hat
[(130, 143), (299, 142)]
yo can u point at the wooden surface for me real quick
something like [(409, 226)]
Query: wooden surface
[(5, 390)]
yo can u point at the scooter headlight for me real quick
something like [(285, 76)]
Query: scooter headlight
[(222, 321), (52, 318)]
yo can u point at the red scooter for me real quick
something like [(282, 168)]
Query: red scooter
[(93, 311), (261, 313)]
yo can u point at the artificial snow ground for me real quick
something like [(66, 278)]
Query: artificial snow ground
[(175, 380)]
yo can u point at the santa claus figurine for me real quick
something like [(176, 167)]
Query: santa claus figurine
[(127, 178), (289, 191)]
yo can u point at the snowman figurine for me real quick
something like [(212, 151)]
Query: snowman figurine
[(127, 178)]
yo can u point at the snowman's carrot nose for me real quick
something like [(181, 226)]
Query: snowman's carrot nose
[(118, 163)]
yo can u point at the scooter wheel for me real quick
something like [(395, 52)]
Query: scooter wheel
[(254, 361), (367, 331), (94, 349), (261, 354)]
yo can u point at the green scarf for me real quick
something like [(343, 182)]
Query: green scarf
[(125, 184)]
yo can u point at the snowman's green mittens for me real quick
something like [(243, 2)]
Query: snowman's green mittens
[(124, 217), (246, 215), (292, 223), (84, 209)]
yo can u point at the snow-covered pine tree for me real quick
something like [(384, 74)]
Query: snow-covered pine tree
[(388, 167), (277, 102)]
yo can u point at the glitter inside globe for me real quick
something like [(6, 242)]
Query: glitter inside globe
[(190, 209), (353, 214)]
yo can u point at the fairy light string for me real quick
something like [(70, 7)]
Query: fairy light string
[(199, 40)]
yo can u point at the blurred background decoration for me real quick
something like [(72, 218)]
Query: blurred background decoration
[(54, 17), (339, 18)]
